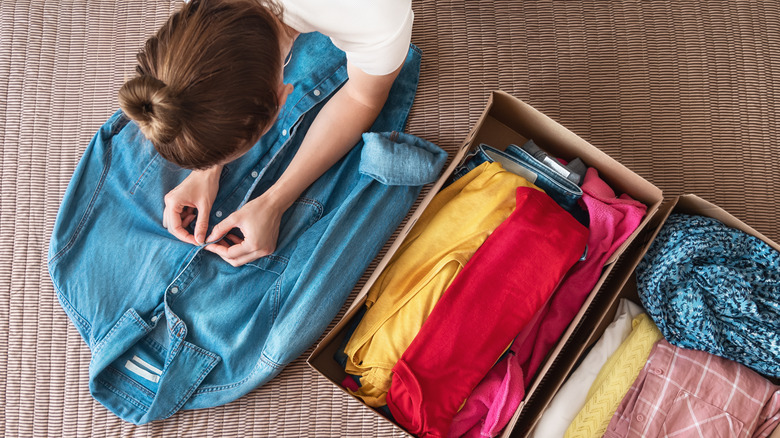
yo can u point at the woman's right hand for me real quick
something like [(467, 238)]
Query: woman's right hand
[(196, 192)]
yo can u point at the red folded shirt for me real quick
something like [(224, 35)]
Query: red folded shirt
[(495, 295)]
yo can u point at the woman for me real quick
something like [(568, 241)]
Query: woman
[(210, 84)]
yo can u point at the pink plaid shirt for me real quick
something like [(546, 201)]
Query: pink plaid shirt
[(688, 393)]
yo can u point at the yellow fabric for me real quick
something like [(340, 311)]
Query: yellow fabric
[(456, 222), (615, 379)]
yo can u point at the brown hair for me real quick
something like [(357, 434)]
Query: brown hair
[(207, 81)]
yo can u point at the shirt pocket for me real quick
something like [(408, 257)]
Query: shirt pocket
[(139, 169), (691, 416), (304, 213), (271, 263)]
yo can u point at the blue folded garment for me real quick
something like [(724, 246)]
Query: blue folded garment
[(714, 288)]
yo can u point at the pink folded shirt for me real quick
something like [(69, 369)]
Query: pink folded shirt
[(612, 220), (684, 392)]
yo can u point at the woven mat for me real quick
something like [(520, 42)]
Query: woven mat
[(683, 93)]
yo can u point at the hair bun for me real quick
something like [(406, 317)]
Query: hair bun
[(148, 101)]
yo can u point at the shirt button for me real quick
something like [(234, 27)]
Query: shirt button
[(640, 418), (284, 132), (254, 174), (317, 92), (218, 213), (174, 290), (154, 318), (659, 372)]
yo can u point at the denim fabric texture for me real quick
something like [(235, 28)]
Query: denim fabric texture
[(172, 326), (516, 160)]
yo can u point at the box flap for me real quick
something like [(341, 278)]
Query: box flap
[(692, 204)]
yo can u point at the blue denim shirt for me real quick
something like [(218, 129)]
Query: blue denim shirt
[(172, 326)]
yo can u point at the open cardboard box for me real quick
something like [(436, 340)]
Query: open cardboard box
[(602, 309), (507, 120)]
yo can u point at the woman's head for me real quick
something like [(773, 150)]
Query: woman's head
[(209, 82)]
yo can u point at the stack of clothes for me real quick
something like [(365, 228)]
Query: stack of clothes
[(484, 285), (699, 359)]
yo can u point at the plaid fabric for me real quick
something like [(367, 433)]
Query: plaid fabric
[(688, 393)]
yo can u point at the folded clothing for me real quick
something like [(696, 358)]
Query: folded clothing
[(494, 401), (680, 392), (516, 160), (498, 292), (612, 220), (573, 394), (713, 288), (614, 380), (455, 224)]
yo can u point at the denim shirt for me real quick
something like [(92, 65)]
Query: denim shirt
[(172, 326)]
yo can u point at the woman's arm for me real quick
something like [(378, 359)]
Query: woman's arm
[(337, 128)]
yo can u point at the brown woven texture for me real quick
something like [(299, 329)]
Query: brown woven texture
[(683, 93)]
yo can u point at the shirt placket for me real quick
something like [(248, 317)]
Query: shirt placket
[(285, 130)]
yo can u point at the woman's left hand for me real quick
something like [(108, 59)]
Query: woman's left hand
[(258, 221)]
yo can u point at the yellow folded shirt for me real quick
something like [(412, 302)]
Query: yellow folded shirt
[(456, 222), (615, 379)]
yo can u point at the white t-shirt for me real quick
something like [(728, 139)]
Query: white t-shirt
[(375, 34)]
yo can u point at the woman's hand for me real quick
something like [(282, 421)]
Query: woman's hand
[(258, 220), (196, 192)]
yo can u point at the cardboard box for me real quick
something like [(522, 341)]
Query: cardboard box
[(507, 120), (604, 305)]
